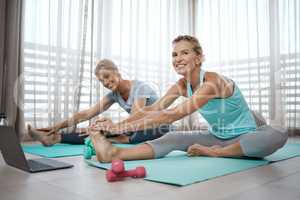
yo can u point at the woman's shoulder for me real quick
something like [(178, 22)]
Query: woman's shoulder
[(211, 76), (142, 87), (215, 77), (181, 86), (139, 82), (182, 82), (224, 84)]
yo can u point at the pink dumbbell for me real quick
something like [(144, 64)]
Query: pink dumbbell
[(118, 172), (117, 166), (111, 176), (138, 172)]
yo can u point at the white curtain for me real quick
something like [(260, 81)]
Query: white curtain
[(257, 44), (254, 42), (63, 38), (54, 56)]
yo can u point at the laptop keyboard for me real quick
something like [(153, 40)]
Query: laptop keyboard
[(36, 165)]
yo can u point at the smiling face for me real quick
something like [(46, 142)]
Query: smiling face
[(109, 78), (184, 58)]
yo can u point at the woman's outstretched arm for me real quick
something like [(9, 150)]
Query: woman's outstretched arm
[(164, 102), (166, 116)]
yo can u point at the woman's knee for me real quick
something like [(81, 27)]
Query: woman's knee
[(280, 136), (264, 143), (165, 144), (172, 137), (277, 139)]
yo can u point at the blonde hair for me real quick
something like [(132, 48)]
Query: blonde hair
[(105, 64), (193, 40)]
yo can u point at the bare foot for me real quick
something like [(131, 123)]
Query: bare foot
[(105, 151), (200, 150), (41, 136)]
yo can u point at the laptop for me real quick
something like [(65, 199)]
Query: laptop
[(13, 154)]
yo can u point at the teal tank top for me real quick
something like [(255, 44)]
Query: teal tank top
[(227, 117)]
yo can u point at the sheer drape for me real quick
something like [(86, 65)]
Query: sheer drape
[(11, 63), (63, 38), (288, 62), (256, 43), (55, 50)]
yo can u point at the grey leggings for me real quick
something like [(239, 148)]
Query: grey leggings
[(263, 142)]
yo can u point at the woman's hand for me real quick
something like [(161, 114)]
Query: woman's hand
[(49, 130), (105, 125), (106, 128), (53, 130), (44, 129)]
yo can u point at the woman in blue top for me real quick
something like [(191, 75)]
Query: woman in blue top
[(232, 133), (131, 95)]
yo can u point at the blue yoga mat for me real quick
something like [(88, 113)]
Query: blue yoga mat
[(57, 150), (179, 169)]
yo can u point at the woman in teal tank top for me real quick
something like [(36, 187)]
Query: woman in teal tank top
[(232, 133), (228, 117)]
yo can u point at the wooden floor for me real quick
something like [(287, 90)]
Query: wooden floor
[(280, 180)]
